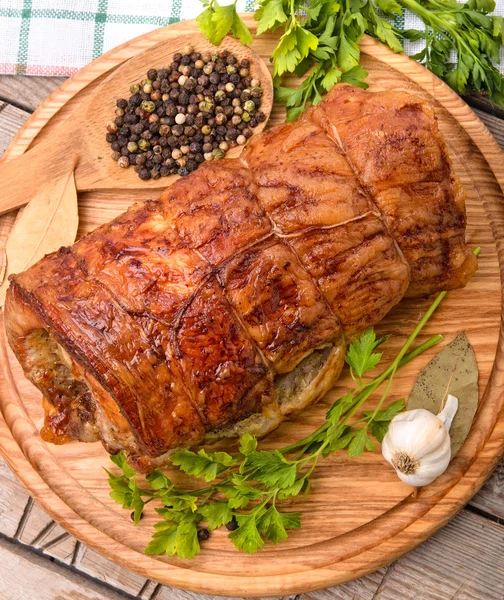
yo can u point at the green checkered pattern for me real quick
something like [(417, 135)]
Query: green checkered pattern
[(58, 37)]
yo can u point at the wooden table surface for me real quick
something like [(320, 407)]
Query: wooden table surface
[(40, 561)]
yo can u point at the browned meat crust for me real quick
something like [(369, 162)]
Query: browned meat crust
[(223, 307), (393, 142)]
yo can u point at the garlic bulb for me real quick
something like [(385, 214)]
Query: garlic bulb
[(418, 444)]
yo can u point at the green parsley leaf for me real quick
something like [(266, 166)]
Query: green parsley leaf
[(241, 493), (389, 7), (158, 481), (203, 464), (360, 442), (137, 504), (393, 409), (216, 514), (300, 485), (378, 426), (247, 537), (330, 78), (273, 469), (248, 443), (240, 31), (270, 15), (204, 22), (273, 524), (341, 405), (360, 356), (120, 461), (356, 77), (176, 538), (221, 22)]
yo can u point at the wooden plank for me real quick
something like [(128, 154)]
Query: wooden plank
[(105, 570), (13, 500), (27, 92), (27, 575), (364, 588), (463, 561), (490, 500), (11, 119), (494, 124), (484, 104)]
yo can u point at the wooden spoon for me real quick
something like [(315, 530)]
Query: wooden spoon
[(84, 131)]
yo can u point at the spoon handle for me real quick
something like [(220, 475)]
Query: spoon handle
[(24, 176)]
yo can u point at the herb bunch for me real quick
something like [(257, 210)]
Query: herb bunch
[(320, 39), (249, 486)]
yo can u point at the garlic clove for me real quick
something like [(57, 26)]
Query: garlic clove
[(418, 443), (417, 432), (449, 411)]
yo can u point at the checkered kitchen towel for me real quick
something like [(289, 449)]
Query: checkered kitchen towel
[(58, 37)]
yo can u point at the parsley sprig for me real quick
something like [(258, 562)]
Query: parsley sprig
[(251, 484), (320, 39)]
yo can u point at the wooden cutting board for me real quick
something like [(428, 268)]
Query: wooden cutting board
[(359, 516)]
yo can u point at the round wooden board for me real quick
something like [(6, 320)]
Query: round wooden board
[(359, 516)]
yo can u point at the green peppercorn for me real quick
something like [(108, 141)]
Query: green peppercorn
[(249, 106), (146, 81), (206, 129), (132, 147), (148, 106), (144, 144), (218, 153), (231, 69), (245, 117)]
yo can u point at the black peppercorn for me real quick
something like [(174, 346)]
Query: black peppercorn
[(232, 525), (203, 534), (122, 103), (232, 133), (152, 74)]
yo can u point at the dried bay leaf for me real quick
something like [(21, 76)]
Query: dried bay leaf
[(452, 371), (47, 222)]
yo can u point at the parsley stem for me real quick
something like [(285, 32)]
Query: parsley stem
[(305, 442)]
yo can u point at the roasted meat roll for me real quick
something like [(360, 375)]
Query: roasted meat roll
[(226, 305)]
